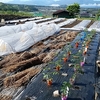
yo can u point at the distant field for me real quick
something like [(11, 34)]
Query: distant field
[(87, 18), (9, 15)]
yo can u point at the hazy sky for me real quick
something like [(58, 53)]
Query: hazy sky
[(54, 2)]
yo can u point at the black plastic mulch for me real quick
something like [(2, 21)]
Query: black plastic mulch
[(38, 90), (97, 84)]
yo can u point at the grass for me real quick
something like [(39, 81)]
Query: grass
[(87, 18), (16, 13)]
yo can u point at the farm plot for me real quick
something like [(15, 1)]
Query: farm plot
[(27, 19), (78, 25), (17, 68), (23, 40), (95, 26), (73, 24), (67, 22), (24, 69), (75, 81), (42, 20), (82, 25), (8, 30), (90, 24), (52, 21)]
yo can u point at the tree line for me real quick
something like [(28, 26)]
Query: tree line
[(15, 11), (16, 7)]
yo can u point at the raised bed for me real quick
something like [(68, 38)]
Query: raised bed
[(73, 24), (15, 65), (83, 86)]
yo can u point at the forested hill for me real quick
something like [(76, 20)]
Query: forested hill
[(16, 7)]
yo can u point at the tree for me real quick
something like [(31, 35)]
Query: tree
[(97, 15), (74, 8)]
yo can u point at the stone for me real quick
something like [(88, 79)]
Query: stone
[(64, 74), (70, 65), (56, 93)]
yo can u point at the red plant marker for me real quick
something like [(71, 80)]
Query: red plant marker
[(49, 82), (84, 53), (76, 45), (68, 54), (57, 68), (65, 59)]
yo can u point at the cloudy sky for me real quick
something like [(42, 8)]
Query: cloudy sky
[(54, 2)]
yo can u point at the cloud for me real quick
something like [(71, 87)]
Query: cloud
[(55, 5), (96, 0), (56, 0), (52, 2), (88, 5), (25, 0), (5, 1)]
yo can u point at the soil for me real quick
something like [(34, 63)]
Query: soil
[(44, 21), (60, 22), (37, 54), (90, 24)]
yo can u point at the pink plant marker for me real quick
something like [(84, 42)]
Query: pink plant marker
[(82, 64), (64, 98), (74, 69)]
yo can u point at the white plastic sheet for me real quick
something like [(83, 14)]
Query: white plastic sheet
[(30, 25), (6, 30), (82, 25), (52, 21), (23, 40), (95, 26), (50, 29), (67, 22), (30, 19), (45, 19)]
